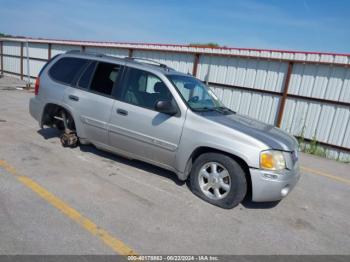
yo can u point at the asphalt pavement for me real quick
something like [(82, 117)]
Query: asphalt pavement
[(55, 200)]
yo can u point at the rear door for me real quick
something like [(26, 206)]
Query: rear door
[(137, 128), (61, 76), (92, 99)]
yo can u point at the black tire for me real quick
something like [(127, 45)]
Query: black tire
[(238, 188)]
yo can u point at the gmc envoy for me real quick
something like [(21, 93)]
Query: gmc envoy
[(144, 110)]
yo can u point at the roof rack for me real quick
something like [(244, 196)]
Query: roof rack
[(134, 59), (73, 51), (147, 61), (84, 52)]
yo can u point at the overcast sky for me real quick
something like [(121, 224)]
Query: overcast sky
[(311, 25)]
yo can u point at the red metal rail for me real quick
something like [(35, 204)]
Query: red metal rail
[(284, 94)]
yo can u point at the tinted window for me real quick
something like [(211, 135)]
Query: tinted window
[(105, 76), (48, 62), (144, 89), (84, 81), (66, 69)]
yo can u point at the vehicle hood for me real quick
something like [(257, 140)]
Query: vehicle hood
[(270, 135)]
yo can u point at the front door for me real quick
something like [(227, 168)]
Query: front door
[(137, 128)]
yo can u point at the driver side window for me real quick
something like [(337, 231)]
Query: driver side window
[(144, 89)]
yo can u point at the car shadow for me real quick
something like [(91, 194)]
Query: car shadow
[(133, 163), (248, 203), (49, 133)]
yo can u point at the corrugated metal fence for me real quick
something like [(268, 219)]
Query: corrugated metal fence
[(305, 93)]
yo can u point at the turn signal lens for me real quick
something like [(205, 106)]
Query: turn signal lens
[(266, 160), (272, 160)]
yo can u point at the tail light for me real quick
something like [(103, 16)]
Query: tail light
[(37, 85)]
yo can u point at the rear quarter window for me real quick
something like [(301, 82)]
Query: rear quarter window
[(48, 63), (67, 69)]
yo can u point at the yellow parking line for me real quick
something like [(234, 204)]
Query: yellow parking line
[(316, 172), (117, 245)]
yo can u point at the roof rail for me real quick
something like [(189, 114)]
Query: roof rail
[(84, 52), (134, 59), (73, 51), (147, 61)]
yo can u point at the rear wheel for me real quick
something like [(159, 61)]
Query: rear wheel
[(69, 137), (218, 179), (58, 117)]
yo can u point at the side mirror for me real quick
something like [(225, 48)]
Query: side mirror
[(166, 107)]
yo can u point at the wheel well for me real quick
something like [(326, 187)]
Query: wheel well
[(53, 110), (201, 150)]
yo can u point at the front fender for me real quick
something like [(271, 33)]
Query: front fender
[(199, 132)]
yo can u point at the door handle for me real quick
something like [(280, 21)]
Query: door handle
[(122, 112), (74, 98)]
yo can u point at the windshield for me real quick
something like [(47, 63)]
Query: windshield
[(197, 95)]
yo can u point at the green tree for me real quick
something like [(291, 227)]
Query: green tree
[(4, 35), (210, 44)]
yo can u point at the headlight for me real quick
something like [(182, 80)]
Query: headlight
[(272, 160)]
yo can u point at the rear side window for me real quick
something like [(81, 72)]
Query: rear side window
[(85, 79), (66, 69), (105, 76)]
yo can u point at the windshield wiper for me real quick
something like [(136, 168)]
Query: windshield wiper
[(224, 109), (203, 109), (220, 109)]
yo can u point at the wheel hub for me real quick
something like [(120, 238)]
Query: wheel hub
[(214, 180)]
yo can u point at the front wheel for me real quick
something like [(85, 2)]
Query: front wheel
[(218, 179)]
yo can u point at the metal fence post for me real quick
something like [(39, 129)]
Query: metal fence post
[(28, 70), (2, 57), (21, 62), (284, 94), (131, 51), (49, 47), (195, 64)]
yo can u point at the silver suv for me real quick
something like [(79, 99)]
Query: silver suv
[(147, 111)]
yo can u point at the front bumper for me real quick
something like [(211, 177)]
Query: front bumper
[(273, 186)]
